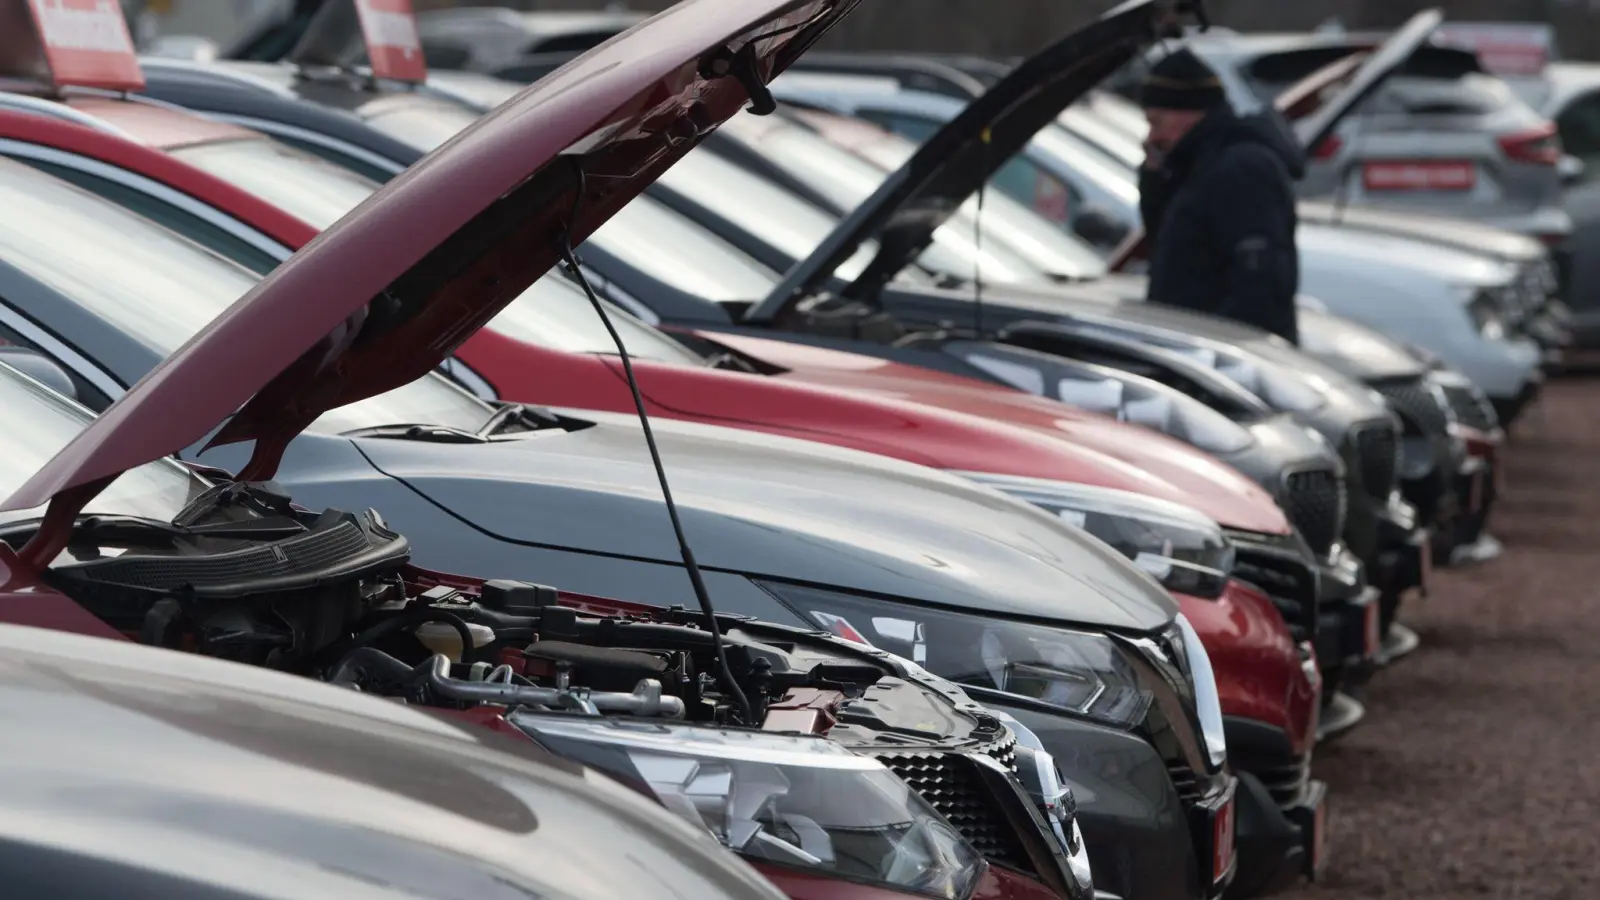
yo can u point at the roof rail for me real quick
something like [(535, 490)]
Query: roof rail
[(54, 110)]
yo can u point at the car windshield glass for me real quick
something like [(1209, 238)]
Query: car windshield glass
[(312, 190), (1006, 221), (768, 212), (679, 253), (847, 180), (1106, 172), (556, 313), (36, 422), (423, 124), (159, 289), (1091, 125)]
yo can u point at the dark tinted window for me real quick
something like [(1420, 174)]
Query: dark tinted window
[(1580, 128)]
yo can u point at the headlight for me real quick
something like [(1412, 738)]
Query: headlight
[(1208, 704), (1080, 672), (1484, 311), (1127, 401), (796, 801), (1175, 544)]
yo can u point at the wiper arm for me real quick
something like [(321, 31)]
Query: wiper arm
[(535, 417), (438, 434)]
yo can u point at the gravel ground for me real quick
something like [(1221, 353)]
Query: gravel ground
[(1477, 772)]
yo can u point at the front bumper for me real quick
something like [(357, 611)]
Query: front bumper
[(1279, 845), (1510, 408)]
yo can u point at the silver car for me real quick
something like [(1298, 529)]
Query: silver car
[(1442, 136)]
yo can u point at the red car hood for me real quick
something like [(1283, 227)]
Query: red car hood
[(388, 292), (1182, 474)]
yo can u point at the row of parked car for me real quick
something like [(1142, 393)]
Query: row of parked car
[(796, 451)]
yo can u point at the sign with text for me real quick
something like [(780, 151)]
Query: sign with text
[(1503, 48), (389, 30), (86, 42)]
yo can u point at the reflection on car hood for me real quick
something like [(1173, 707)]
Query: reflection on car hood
[(769, 506), (137, 770), (1336, 247), (1354, 349), (1460, 234), (385, 294)]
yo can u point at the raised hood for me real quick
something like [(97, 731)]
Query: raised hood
[(919, 197), (392, 289), (1383, 62), (760, 505)]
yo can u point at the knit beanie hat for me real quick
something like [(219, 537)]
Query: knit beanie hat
[(1181, 81)]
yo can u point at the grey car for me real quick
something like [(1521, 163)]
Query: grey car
[(233, 781), (766, 514)]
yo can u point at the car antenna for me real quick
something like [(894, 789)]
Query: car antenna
[(703, 596)]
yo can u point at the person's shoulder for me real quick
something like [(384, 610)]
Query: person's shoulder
[(1251, 158)]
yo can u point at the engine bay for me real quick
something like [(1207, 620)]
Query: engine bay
[(244, 575)]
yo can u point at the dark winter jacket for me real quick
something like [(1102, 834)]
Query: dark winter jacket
[(1220, 216)]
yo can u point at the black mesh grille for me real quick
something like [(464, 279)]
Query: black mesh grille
[(1314, 501), (297, 555), (1470, 409), (1378, 454), (951, 785), (1292, 588), (1417, 407)]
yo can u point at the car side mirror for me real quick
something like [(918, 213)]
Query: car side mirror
[(40, 368), (1570, 168), (1099, 228)]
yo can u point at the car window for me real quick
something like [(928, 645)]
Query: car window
[(773, 215), (1579, 124), (313, 191), (556, 313), (676, 251), (421, 125), (168, 216), (36, 422), (160, 289), (917, 128), (343, 160), (88, 394)]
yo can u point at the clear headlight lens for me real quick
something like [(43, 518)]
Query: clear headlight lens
[(796, 801), (1175, 416), (1080, 672), (1177, 545), (1208, 703)]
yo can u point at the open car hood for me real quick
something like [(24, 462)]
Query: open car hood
[(387, 293), (1390, 56), (950, 166)]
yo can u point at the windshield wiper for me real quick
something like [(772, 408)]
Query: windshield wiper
[(438, 434), (535, 418)]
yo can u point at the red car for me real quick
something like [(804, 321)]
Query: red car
[(864, 403)]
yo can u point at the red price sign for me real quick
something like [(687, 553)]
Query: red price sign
[(86, 42), (390, 31)]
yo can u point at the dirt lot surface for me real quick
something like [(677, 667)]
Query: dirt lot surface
[(1477, 772)]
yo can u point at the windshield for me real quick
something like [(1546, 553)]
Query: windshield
[(555, 313), (1092, 125), (38, 422), (1005, 220), (1106, 172), (159, 289), (679, 253), (847, 180), (312, 190), (772, 215), (420, 124)]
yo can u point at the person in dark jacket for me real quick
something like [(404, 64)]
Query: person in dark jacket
[(1217, 196)]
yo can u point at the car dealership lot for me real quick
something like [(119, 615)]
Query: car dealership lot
[(1480, 776)]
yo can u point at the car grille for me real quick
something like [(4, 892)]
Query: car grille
[(1470, 408), (1378, 456), (1418, 408), (1292, 586), (951, 784), (1189, 788), (1285, 778), (1315, 503)]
